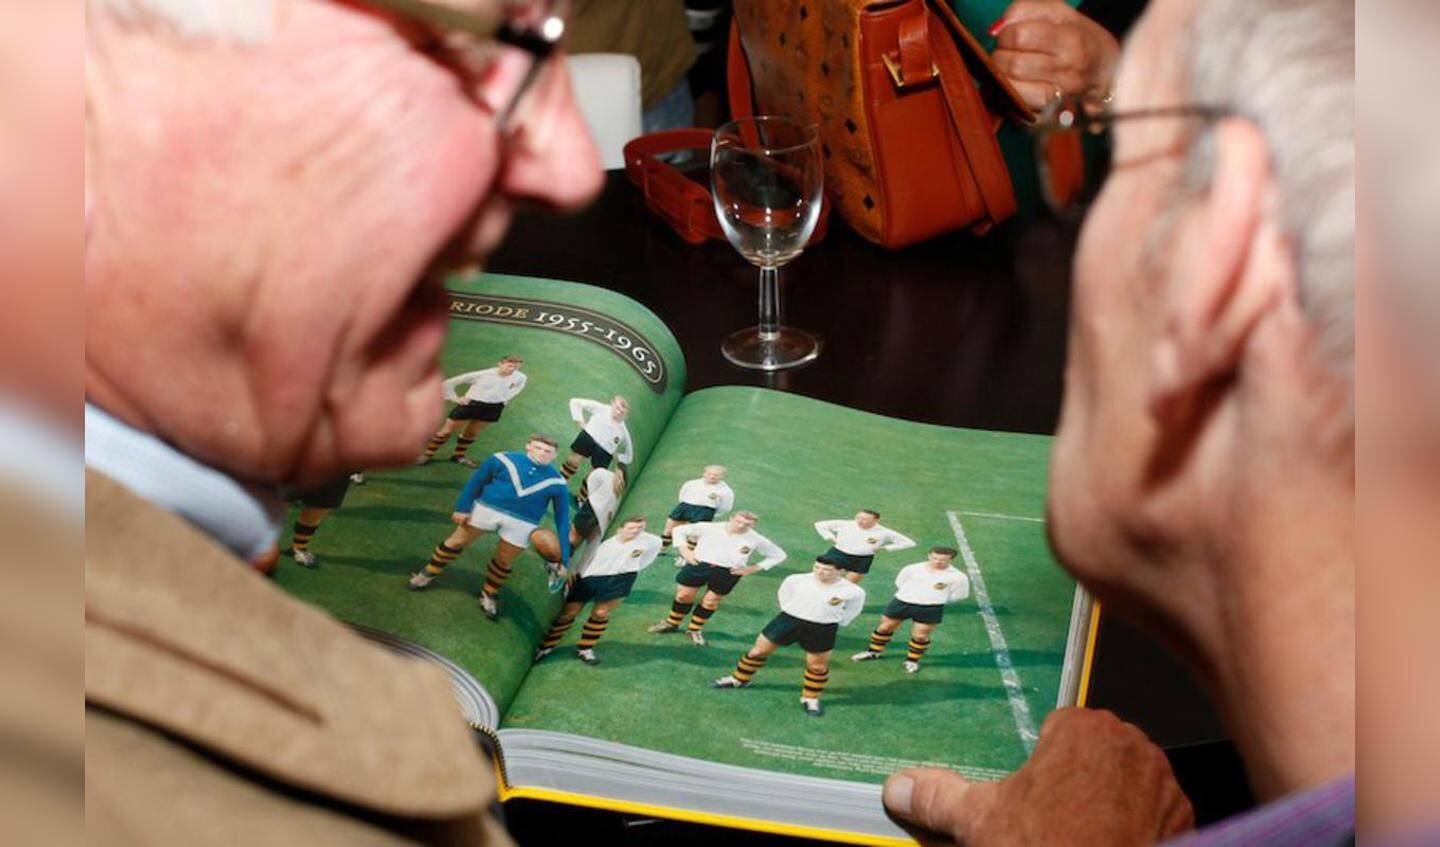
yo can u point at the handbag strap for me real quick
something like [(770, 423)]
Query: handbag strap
[(682, 202), (974, 124), (737, 76)]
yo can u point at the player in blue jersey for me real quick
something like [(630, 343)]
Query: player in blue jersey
[(508, 495)]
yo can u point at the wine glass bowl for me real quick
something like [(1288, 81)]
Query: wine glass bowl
[(767, 182)]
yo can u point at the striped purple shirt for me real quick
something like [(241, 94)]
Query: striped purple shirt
[(1321, 816)]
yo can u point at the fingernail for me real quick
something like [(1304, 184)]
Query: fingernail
[(996, 27), (897, 794)]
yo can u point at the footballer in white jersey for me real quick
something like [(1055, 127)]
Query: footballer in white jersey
[(603, 437), (921, 592), (855, 542), (487, 394), (605, 579), (813, 607), (315, 504), (716, 562), (599, 499), (700, 500)]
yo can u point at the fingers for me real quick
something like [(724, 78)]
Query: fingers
[(1037, 95), (1043, 54), (1040, 68), (1023, 65), (1034, 36), (1180, 818), (937, 800)]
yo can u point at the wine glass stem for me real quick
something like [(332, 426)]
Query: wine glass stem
[(769, 302)]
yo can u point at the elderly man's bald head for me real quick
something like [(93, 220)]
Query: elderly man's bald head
[(275, 189)]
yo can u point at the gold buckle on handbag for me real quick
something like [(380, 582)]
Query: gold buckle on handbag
[(892, 65)]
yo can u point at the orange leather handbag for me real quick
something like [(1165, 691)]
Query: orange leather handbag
[(907, 103)]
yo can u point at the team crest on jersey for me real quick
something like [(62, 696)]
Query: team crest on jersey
[(872, 540), (714, 496), (939, 586), (635, 554), (617, 441), (835, 601), (744, 551)]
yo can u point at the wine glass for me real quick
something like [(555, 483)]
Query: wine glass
[(766, 179)]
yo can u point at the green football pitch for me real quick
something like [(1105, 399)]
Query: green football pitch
[(793, 461), (388, 526)]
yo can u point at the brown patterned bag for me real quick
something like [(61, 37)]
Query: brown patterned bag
[(906, 101)]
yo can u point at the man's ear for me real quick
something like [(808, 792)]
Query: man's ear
[(1230, 266)]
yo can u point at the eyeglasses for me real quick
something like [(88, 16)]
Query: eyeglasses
[(1059, 133), (534, 27), (1094, 115)]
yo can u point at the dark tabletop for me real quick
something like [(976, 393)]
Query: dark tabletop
[(959, 331)]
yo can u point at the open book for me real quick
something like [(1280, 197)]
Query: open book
[(644, 729)]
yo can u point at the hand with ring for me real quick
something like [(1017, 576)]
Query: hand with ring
[(1050, 51)]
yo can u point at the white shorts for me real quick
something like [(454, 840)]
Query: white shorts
[(512, 530)]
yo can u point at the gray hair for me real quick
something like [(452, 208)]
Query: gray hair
[(238, 21), (1402, 173), (1289, 66)]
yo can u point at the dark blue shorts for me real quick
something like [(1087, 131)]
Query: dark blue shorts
[(601, 588), (586, 446), (477, 412), (329, 495), (691, 513), (719, 580), (846, 562), (899, 610), (812, 637)]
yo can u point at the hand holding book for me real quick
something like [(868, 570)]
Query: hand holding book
[(1103, 782)]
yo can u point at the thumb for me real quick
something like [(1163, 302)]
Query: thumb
[(938, 800)]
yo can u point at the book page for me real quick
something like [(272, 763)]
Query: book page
[(982, 687), (577, 342)]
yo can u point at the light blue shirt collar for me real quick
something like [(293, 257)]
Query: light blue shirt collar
[(44, 457), (243, 517)]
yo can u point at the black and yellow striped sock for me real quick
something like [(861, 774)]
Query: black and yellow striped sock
[(593, 630), (444, 554), (815, 683), (748, 666), (880, 640), (666, 541), (700, 618), (568, 470), (434, 444), (918, 646), (303, 533), (495, 576), (462, 445), (678, 611), (557, 632)]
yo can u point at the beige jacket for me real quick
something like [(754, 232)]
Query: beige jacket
[(220, 710)]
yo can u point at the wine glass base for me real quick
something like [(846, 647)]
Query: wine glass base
[(784, 348)]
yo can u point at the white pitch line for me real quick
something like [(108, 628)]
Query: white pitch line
[(1024, 723), (1005, 517)]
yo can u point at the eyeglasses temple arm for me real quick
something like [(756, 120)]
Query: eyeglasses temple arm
[(474, 23)]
